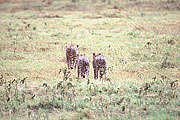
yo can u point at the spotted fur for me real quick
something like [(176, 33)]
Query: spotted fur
[(83, 66), (99, 65), (71, 55)]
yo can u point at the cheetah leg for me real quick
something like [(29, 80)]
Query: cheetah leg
[(78, 72), (95, 74)]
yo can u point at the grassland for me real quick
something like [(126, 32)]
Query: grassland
[(141, 42)]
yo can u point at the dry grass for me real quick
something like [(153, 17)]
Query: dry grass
[(135, 36)]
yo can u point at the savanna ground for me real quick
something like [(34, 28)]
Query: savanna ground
[(141, 42)]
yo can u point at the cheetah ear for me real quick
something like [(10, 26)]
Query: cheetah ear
[(99, 53), (94, 54), (77, 46)]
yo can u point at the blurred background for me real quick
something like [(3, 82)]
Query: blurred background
[(87, 5)]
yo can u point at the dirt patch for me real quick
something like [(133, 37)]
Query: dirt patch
[(83, 49), (114, 15), (54, 43), (93, 17), (51, 16), (3, 1), (73, 8), (44, 49), (39, 16), (171, 42)]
